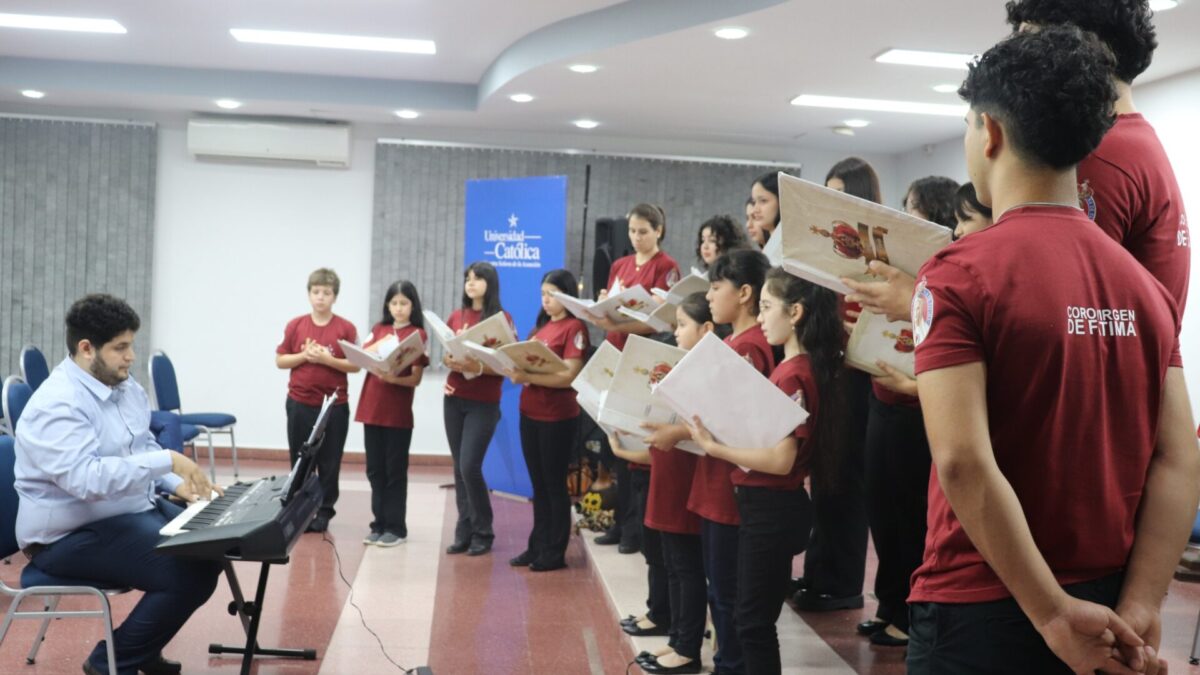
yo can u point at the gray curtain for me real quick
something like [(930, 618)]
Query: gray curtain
[(419, 207), (76, 217)]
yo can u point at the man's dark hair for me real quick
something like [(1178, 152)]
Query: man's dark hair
[(98, 318), (1124, 25), (1052, 90)]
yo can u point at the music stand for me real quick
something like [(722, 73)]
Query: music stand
[(250, 612)]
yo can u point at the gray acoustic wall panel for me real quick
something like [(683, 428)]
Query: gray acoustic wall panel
[(76, 217), (419, 209)]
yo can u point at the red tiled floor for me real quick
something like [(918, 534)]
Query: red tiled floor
[(492, 618), (488, 617)]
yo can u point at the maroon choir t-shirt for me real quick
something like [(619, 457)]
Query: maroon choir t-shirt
[(383, 404), (310, 383), (485, 388), (1128, 187), (660, 271), (1076, 338), (567, 338)]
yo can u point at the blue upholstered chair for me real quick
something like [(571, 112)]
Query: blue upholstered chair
[(166, 397), (36, 583), (13, 397), (34, 368)]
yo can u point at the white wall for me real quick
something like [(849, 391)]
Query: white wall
[(939, 159), (234, 244), (1171, 105)]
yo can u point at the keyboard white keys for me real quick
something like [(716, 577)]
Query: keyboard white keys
[(176, 525)]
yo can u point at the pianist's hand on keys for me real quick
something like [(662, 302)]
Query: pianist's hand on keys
[(195, 482)]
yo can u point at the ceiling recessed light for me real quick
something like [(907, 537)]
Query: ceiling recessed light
[(846, 103), (70, 23), (583, 68), (731, 33), (843, 131), (228, 103), (912, 57), (520, 98), (586, 124), (329, 41), (856, 123), (407, 114), (32, 93), (946, 88), (1163, 5)]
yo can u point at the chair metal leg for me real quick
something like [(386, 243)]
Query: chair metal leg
[(1194, 660), (106, 608), (233, 449), (212, 457), (51, 605)]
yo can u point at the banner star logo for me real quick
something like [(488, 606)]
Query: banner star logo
[(512, 220)]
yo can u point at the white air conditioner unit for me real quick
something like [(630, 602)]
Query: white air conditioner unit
[(323, 144)]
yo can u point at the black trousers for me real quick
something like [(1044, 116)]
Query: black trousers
[(684, 559), (898, 465), (720, 548), (990, 638), (387, 472), (547, 450), (658, 600), (300, 421), (836, 562), (775, 527), (469, 429)]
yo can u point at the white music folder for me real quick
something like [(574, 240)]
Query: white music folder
[(740, 406)]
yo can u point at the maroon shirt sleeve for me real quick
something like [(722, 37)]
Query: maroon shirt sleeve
[(668, 274), (289, 338), (947, 307), (577, 341), (1109, 196)]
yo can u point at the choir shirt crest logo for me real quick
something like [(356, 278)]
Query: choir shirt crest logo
[(1087, 199), (672, 277), (579, 341), (922, 312)]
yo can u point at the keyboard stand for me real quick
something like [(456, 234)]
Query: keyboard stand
[(251, 613)]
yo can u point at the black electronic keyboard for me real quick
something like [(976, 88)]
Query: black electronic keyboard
[(249, 522)]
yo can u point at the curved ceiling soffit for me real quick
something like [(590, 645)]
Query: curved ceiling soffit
[(618, 24)]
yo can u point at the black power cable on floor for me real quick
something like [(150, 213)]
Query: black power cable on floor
[(363, 618)]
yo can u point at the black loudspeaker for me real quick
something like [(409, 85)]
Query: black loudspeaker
[(611, 244)]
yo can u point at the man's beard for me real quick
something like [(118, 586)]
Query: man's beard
[(109, 376)]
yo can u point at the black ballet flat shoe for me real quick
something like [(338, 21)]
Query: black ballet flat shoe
[(644, 658), (869, 628), (629, 619), (457, 547), (809, 601), (883, 639), (522, 560), (161, 666), (637, 631), (687, 668), (541, 566)]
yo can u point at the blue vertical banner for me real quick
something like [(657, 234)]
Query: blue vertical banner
[(519, 225)]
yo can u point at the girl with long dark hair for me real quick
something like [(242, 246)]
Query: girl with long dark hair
[(385, 410), (549, 422), (472, 409)]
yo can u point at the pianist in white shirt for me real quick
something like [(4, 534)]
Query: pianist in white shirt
[(91, 481)]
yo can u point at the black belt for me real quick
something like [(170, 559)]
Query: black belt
[(33, 549)]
